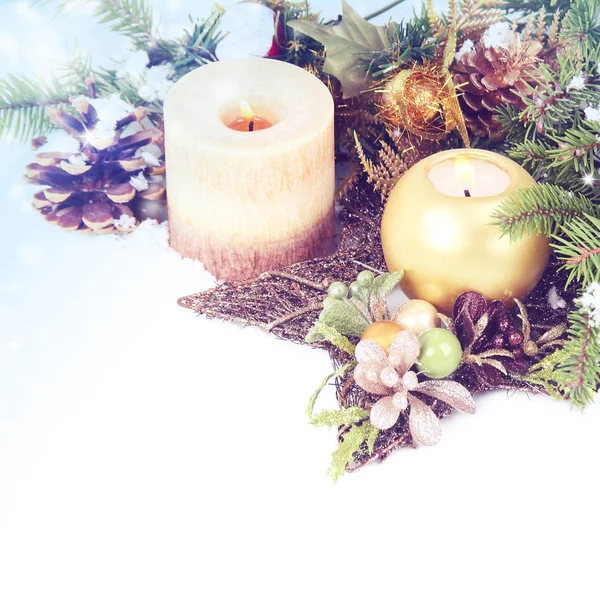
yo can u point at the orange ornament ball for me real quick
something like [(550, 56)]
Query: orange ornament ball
[(383, 332)]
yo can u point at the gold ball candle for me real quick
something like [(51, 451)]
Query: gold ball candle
[(250, 163), (437, 227)]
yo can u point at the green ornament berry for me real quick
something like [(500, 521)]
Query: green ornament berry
[(359, 292), (365, 279), (338, 290), (441, 353)]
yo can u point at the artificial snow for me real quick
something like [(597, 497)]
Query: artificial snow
[(78, 159), (592, 114), (590, 303), (111, 109), (497, 35), (150, 154), (467, 47), (577, 83), (157, 83), (125, 221), (139, 182), (555, 301), (249, 29)]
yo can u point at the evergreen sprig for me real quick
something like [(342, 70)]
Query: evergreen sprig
[(23, 105), (579, 248), (579, 375), (571, 372), (541, 209)]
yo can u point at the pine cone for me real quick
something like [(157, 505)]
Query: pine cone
[(486, 78), (111, 184)]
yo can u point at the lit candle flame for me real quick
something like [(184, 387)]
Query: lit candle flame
[(246, 111), (465, 173)]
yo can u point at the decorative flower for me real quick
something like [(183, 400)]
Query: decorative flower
[(389, 375)]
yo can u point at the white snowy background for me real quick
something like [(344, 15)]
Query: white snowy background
[(117, 480)]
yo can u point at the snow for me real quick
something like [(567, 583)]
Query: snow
[(592, 114), (555, 301), (590, 303), (497, 35), (157, 83), (117, 482), (468, 46), (139, 182), (577, 83)]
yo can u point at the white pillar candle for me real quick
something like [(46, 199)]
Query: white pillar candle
[(244, 202)]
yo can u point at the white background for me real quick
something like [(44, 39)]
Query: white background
[(146, 453)]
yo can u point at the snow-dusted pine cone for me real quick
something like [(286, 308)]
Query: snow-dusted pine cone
[(115, 178), (487, 77)]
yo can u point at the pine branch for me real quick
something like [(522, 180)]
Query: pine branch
[(541, 209), (579, 248), (132, 18), (579, 375), (23, 105)]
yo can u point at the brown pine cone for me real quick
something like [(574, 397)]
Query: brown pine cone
[(110, 184), (486, 78)]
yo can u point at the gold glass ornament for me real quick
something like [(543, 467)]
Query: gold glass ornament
[(417, 316), (423, 99), (383, 332), (443, 238)]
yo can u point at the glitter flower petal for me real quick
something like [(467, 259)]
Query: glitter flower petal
[(384, 414), (423, 424), (450, 392), (404, 350), (363, 375), (369, 351)]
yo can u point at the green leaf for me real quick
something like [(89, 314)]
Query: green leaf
[(384, 285), (321, 331), (342, 316), (311, 403), (341, 416), (352, 443), (347, 45)]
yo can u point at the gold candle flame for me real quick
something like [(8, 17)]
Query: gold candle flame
[(465, 173), (246, 111)]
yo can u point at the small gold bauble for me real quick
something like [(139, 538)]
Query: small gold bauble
[(383, 332), (417, 316), (447, 245)]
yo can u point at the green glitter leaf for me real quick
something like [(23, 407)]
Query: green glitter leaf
[(321, 331), (351, 445), (384, 285), (311, 403), (341, 416)]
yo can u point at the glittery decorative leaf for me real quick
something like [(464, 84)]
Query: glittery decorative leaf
[(404, 350), (383, 285), (345, 43), (450, 392), (341, 316), (321, 331), (312, 400), (424, 425), (342, 416), (384, 414), (352, 444), (369, 351)]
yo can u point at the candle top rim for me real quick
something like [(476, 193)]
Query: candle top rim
[(295, 97)]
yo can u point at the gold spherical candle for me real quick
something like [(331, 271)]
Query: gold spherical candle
[(437, 227)]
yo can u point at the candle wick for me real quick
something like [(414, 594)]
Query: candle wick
[(251, 126), (467, 194)]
